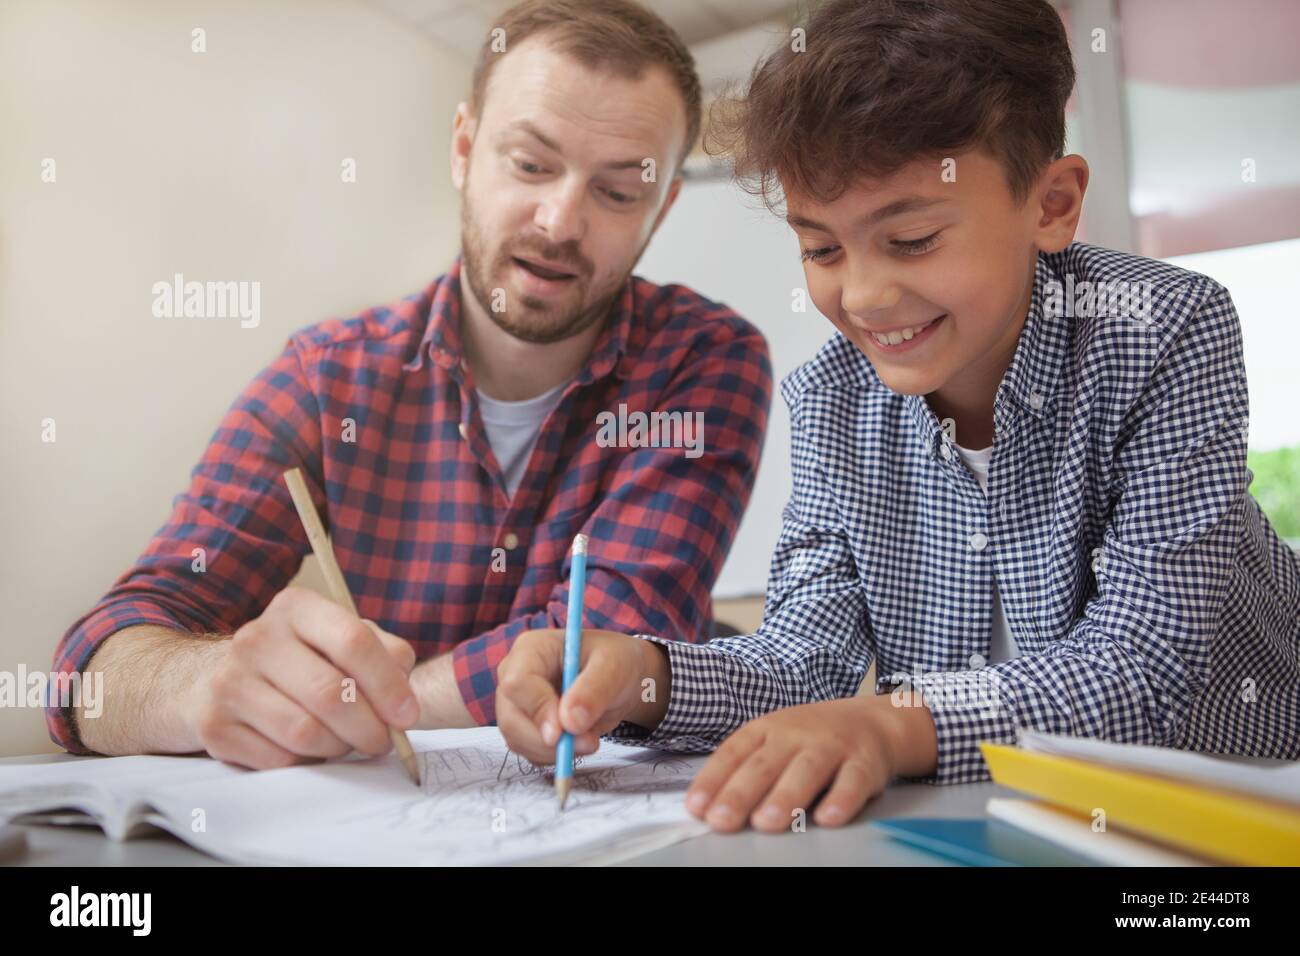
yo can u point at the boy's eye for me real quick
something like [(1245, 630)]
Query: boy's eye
[(914, 247), (619, 197), (525, 166), (816, 255)]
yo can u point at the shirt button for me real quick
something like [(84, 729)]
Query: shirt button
[(511, 540), (946, 451), (464, 365), (1036, 402), (978, 541), (464, 431)]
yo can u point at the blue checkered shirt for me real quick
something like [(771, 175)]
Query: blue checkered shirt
[(1150, 599)]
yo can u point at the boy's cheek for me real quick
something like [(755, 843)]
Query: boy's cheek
[(825, 296)]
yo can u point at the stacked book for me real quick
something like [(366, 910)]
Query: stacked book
[(1096, 802)]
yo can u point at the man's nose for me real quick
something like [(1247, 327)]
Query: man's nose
[(561, 213)]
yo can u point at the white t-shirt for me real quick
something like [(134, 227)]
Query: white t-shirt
[(513, 427), (1003, 643)]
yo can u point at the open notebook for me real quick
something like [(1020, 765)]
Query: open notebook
[(479, 804)]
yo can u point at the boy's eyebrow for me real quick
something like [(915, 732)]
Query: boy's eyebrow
[(895, 208), (524, 126)]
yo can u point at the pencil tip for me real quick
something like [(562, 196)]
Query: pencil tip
[(562, 785)]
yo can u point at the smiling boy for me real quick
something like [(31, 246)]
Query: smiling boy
[(1026, 515)]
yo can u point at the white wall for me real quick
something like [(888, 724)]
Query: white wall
[(1262, 282), (725, 245), (223, 165)]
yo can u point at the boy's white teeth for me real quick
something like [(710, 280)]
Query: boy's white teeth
[(900, 335)]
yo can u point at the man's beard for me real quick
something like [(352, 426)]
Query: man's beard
[(526, 317)]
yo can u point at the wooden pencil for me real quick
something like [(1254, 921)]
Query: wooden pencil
[(324, 552)]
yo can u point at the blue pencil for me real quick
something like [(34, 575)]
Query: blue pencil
[(572, 653)]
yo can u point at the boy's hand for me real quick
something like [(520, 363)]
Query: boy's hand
[(779, 763), (610, 688)]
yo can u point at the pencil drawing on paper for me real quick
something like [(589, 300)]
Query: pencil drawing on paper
[(492, 798)]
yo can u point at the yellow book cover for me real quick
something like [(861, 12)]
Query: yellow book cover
[(1218, 823)]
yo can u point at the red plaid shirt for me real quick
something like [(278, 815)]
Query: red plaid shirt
[(416, 503)]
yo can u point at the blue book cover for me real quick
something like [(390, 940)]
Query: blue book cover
[(979, 842)]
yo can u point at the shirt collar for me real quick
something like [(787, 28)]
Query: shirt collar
[(439, 305), (1037, 370)]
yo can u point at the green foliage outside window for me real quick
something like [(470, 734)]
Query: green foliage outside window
[(1277, 488)]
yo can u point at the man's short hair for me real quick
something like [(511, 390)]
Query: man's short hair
[(616, 35)]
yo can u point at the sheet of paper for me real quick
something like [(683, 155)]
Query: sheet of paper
[(1273, 781), (479, 804)]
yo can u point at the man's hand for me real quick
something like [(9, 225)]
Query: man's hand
[(305, 680), (611, 687), (780, 763)]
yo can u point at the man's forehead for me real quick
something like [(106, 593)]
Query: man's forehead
[(539, 88)]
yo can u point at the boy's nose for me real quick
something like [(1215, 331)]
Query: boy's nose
[(864, 300)]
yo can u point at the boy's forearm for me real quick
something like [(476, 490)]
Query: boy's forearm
[(150, 674)]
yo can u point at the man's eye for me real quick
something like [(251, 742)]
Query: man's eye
[(914, 247), (619, 197), (817, 255), (525, 166)]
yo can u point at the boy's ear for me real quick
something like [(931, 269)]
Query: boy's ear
[(1058, 202), (463, 127)]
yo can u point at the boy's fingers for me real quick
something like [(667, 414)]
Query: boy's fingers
[(532, 694), (748, 784), (535, 652), (717, 770), (521, 734), (853, 785), (548, 723), (804, 777), (598, 684)]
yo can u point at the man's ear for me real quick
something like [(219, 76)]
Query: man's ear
[(463, 128), (1058, 202)]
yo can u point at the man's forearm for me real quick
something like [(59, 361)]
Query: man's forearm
[(150, 677)]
